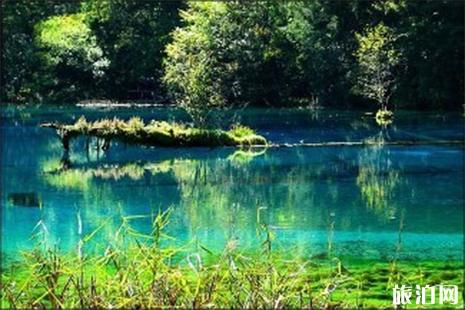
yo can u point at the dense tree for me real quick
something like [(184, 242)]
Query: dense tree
[(319, 60), (265, 55), (132, 35), (218, 54), (224, 53), (195, 68), (22, 74), (433, 43), (71, 56)]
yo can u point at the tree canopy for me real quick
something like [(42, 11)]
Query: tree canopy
[(217, 54)]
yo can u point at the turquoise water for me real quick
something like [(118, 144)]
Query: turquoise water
[(357, 202)]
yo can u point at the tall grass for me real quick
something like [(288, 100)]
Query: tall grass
[(137, 270)]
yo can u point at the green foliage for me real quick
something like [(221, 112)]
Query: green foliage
[(211, 55), (22, 74), (69, 41), (377, 60), (319, 61), (133, 35), (225, 54), (433, 45), (135, 124), (158, 133), (239, 130), (71, 57), (194, 71)]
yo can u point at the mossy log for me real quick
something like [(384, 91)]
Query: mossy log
[(155, 133)]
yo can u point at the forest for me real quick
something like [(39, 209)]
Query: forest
[(395, 53)]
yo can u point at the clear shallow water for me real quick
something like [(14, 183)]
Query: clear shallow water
[(359, 200)]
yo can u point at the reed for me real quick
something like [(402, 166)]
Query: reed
[(141, 271)]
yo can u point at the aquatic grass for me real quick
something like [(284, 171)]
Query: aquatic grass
[(239, 130), (155, 133), (145, 274)]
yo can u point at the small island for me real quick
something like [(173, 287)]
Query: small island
[(155, 133)]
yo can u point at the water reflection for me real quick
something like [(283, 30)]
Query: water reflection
[(340, 201), (377, 178), (64, 174), (316, 200), (24, 199)]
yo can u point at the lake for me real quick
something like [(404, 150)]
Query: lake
[(377, 203)]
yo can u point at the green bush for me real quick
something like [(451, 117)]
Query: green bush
[(241, 131)]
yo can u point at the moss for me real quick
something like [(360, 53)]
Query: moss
[(158, 133)]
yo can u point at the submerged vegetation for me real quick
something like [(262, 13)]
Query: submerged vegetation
[(140, 270), (155, 133)]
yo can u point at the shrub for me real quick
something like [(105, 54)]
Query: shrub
[(241, 131)]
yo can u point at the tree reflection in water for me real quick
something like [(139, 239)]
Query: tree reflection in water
[(377, 179)]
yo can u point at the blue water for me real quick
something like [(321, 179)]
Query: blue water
[(356, 202)]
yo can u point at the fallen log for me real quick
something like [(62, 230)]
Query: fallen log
[(160, 133), (368, 143), (155, 133)]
